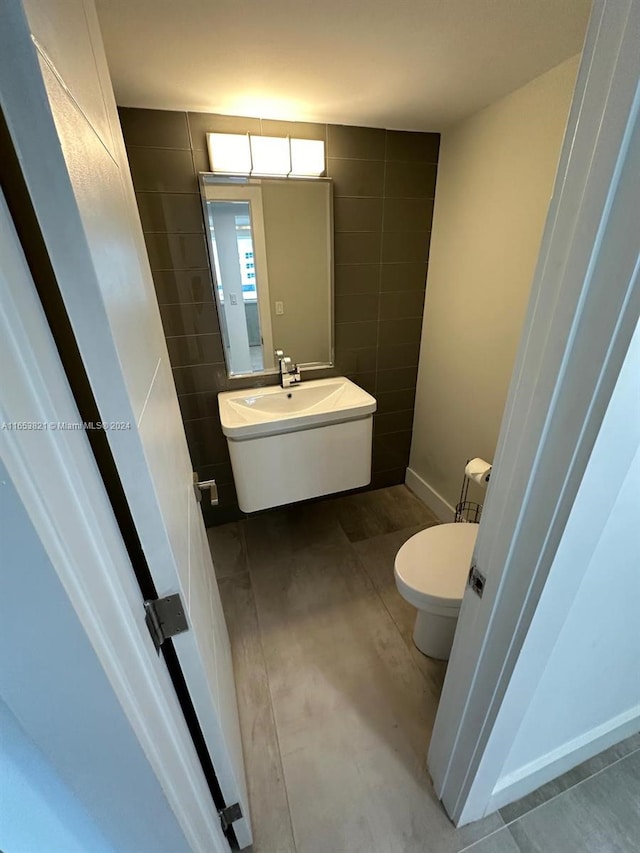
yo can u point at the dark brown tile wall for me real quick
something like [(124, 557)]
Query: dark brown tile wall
[(384, 186)]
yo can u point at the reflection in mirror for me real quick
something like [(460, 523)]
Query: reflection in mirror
[(270, 244), (232, 249)]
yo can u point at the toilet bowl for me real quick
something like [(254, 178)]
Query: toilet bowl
[(431, 571)]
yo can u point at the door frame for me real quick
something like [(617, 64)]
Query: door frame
[(583, 309), (56, 476), (127, 366)]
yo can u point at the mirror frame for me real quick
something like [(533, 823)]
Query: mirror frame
[(207, 179)]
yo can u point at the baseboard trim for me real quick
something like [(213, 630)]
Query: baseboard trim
[(429, 496), (553, 764)]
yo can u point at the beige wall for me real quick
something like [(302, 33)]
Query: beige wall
[(495, 179)]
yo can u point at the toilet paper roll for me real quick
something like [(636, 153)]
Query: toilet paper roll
[(478, 470)]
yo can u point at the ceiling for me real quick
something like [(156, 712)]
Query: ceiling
[(403, 64)]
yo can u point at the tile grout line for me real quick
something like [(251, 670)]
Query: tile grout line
[(489, 835), (395, 624), (571, 788), (380, 257), (271, 703), (510, 823), (382, 601)]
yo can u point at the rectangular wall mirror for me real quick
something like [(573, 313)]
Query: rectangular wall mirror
[(271, 252)]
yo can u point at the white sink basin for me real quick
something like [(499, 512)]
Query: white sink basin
[(271, 411)]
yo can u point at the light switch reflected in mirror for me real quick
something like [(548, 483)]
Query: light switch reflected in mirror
[(271, 250)]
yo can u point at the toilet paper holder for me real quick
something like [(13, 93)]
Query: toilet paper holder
[(468, 511)]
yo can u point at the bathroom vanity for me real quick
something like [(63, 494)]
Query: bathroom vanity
[(271, 249), (290, 444)]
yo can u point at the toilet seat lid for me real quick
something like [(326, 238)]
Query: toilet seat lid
[(435, 562)]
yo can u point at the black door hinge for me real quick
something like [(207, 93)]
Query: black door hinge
[(165, 617), (229, 814)]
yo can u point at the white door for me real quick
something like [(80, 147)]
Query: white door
[(116, 756), (583, 309), (64, 126)]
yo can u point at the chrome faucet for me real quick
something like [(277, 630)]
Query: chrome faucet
[(289, 372)]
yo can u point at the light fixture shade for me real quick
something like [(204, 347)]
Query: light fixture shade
[(229, 153), (307, 157), (270, 155)]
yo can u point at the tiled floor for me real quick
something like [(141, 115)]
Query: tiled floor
[(337, 705)]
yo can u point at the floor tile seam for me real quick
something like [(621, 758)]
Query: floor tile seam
[(346, 535), (232, 575), (571, 788), (272, 706), (390, 614), (325, 546), (503, 828), (300, 553)]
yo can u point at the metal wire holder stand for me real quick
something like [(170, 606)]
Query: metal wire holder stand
[(467, 511)]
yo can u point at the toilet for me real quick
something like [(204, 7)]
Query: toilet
[(431, 571)]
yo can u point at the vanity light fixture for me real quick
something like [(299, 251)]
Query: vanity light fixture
[(271, 155), (229, 153), (307, 157), (247, 154)]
